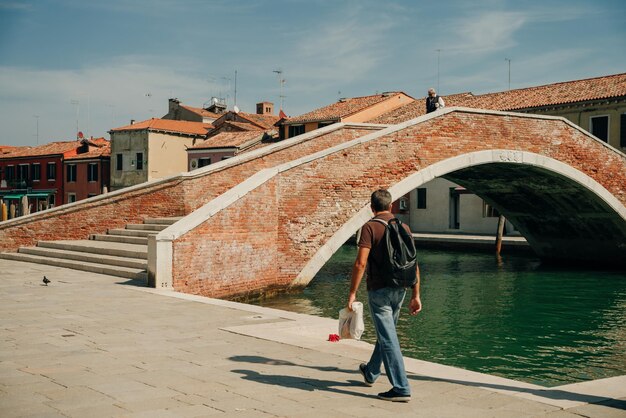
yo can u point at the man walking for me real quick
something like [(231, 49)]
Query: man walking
[(385, 303)]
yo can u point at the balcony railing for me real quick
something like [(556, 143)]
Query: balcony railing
[(19, 184)]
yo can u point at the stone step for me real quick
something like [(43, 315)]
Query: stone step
[(99, 247), (131, 232), (118, 271), (162, 221), (119, 238), (147, 227), (89, 257)]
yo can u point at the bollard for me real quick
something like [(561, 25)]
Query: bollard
[(501, 221)]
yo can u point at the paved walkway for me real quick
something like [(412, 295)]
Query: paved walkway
[(92, 346)]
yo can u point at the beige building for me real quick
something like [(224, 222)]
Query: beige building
[(354, 109), (152, 149)]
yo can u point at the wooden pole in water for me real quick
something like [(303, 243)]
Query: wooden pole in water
[(501, 222)]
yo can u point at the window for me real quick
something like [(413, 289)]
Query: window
[(51, 201), (600, 127), (118, 162), (295, 130), (10, 173), (90, 195), (92, 172), (202, 162), (51, 171), (36, 172), (71, 197), (622, 130), (489, 211), (139, 157), (71, 173), (22, 173), (421, 198)]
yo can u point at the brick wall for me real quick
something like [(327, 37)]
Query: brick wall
[(234, 253), (177, 196), (78, 220)]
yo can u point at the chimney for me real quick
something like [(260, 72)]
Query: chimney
[(132, 121), (265, 108), (173, 107)]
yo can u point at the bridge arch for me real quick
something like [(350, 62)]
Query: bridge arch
[(272, 230), (508, 162)]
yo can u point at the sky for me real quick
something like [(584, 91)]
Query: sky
[(76, 65)]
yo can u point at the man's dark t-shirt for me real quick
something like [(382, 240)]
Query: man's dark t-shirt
[(371, 234)]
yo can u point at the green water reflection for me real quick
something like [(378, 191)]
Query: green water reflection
[(516, 318)]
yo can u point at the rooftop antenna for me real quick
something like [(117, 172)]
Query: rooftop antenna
[(227, 91), (235, 88), (281, 81), (37, 118), (77, 104), (509, 60), (438, 56)]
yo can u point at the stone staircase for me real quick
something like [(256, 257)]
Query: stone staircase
[(119, 252)]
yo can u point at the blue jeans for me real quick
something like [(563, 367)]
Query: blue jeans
[(385, 307)]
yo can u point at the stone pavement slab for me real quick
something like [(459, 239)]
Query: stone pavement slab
[(91, 345)]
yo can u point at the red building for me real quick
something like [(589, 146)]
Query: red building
[(87, 173), (37, 173)]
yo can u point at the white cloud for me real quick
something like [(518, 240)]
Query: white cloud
[(339, 51), (488, 32), (108, 95)]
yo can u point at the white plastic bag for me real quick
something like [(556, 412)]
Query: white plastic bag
[(351, 322)]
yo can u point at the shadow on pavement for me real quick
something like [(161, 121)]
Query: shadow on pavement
[(311, 384)]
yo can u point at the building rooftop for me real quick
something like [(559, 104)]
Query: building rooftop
[(341, 109), (244, 126), (202, 112), (263, 121), (230, 140), (167, 125), (6, 149), (99, 148), (562, 93), (52, 148)]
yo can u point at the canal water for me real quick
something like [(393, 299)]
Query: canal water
[(514, 318)]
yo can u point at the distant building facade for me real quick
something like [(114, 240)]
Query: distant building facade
[(87, 174), (355, 109), (37, 174), (152, 149)]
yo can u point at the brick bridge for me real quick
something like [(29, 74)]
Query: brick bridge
[(271, 219)]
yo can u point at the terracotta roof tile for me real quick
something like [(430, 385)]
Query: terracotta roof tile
[(264, 121), (52, 148), (5, 149), (101, 149), (341, 109), (202, 112), (521, 99), (244, 125), (230, 140), (166, 125)]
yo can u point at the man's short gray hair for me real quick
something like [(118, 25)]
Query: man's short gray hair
[(381, 200)]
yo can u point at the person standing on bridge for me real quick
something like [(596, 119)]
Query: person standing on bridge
[(384, 302), (434, 102)]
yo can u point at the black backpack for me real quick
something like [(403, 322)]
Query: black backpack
[(399, 267)]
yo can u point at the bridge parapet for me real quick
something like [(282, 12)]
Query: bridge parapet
[(177, 195)]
